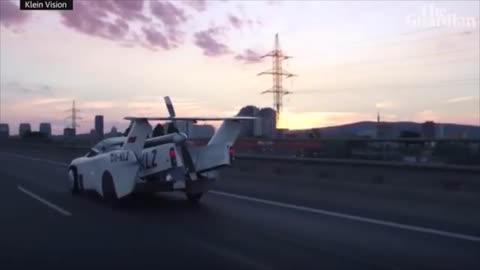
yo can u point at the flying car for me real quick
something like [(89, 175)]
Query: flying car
[(139, 163)]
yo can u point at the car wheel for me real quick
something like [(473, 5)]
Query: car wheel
[(108, 189), (194, 198), (74, 186)]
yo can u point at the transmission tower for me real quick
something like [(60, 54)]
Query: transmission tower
[(73, 116), (277, 73)]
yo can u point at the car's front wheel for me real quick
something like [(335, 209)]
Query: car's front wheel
[(74, 186), (108, 190)]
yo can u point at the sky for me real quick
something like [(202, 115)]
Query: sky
[(408, 60)]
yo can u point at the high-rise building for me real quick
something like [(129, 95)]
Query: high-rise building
[(428, 130), (24, 128), (268, 122), (46, 128), (99, 126), (4, 131), (248, 127)]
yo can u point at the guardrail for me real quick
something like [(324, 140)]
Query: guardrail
[(363, 163), (353, 162), (333, 161)]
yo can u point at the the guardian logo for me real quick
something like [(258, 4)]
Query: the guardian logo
[(432, 16), (46, 4)]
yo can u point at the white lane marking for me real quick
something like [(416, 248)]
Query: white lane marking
[(352, 217), (36, 159), (47, 203), (318, 211)]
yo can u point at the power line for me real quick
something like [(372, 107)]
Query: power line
[(73, 116), (277, 73)]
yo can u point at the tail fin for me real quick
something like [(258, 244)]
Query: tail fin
[(137, 136), (227, 133)]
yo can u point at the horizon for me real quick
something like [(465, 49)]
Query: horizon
[(117, 59)]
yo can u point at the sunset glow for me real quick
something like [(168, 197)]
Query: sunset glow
[(352, 61)]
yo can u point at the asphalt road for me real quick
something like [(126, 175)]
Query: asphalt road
[(44, 226)]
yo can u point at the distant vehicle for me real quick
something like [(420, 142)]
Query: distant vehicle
[(117, 167)]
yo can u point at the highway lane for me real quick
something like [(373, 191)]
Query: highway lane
[(223, 232), (431, 207)]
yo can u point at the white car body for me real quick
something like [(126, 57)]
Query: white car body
[(117, 167)]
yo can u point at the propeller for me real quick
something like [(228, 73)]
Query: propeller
[(187, 158)]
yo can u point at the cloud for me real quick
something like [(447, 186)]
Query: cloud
[(172, 17), (168, 13), (249, 56), (11, 15), (152, 24), (88, 19), (198, 5), (112, 20), (238, 23), (156, 38), (460, 99), (206, 41), (15, 87), (235, 21), (129, 9)]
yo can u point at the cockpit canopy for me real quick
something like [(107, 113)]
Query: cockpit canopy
[(106, 145)]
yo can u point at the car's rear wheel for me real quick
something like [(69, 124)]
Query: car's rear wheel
[(108, 189), (74, 185), (194, 198)]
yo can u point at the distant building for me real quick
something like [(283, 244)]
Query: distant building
[(185, 126), (4, 131), (69, 132), (24, 128), (46, 128), (114, 132), (248, 127), (428, 130), (202, 132), (268, 123), (99, 126)]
